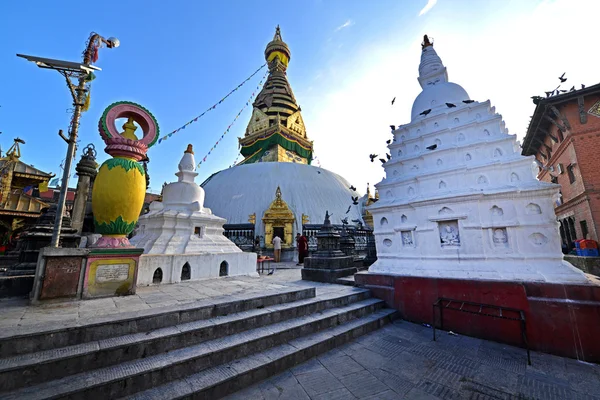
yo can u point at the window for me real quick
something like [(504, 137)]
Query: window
[(584, 229), (571, 173), (553, 179)]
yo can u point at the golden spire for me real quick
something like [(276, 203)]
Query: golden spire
[(277, 35), (189, 149), (426, 42)]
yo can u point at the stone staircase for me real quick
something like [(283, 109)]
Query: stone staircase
[(202, 350)]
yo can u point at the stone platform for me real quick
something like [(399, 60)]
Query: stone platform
[(400, 361), (561, 319), (204, 339)]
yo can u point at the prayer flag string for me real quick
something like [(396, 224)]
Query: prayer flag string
[(249, 102), (168, 135)]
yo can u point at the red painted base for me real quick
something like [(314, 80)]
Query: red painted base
[(561, 319)]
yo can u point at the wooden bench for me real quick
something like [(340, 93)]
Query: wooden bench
[(486, 310)]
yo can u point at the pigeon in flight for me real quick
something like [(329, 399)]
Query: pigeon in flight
[(349, 207), (572, 89), (354, 200), (373, 156), (450, 105), (468, 101), (562, 78), (432, 147), (548, 94), (393, 100), (388, 141), (352, 188), (388, 156), (425, 112), (393, 127), (382, 160)]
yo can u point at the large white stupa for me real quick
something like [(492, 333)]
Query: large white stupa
[(183, 238), (458, 199)]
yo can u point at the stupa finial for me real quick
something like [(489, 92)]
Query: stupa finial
[(277, 35), (189, 149), (426, 42)]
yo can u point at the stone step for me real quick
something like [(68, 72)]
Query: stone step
[(222, 380), (141, 374), (32, 368), (347, 280), (34, 339)]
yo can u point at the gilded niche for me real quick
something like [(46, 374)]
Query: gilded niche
[(279, 219)]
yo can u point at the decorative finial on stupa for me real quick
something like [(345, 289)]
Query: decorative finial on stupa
[(426, 42), (277, 35), (129, 129), (189, 149), (278, 193), (277, 49)]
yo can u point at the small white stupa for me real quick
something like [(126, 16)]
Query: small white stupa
[(188, 234), (458, 199)]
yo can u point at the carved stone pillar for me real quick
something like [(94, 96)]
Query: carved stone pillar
[(86, 171)]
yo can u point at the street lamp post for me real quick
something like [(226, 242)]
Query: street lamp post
[(72, 70)]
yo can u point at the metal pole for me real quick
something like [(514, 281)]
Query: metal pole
[(78, 103)]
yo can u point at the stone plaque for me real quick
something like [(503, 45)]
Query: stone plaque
[(61, 277), (112, 273)]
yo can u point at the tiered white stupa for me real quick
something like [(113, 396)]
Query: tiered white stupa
[(182, 230), (458, 199)]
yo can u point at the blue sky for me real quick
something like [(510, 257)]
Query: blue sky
[(349, 58)]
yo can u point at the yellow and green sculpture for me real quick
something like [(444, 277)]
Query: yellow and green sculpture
[(120, 186)]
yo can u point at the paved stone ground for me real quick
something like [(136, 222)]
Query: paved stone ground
[(17, 316), (401, 361)]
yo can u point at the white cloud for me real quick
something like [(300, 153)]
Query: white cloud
[(430, 4), (346, 24)]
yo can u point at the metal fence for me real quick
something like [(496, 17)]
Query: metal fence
[(240, 234)]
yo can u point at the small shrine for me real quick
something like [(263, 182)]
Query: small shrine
[(182, 239), (329, 262), (279, 221)]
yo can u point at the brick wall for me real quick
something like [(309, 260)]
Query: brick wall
[(580, 146)]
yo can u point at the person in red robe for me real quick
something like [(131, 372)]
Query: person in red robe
[(302, 249)]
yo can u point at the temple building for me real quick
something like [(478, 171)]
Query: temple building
[(18, 182), (458, 199), (274, 190), (563, 136)]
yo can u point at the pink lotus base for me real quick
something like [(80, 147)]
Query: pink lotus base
[(112, 242)]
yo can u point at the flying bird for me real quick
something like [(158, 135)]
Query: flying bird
[(426, 112), (572, 89), (393, 100), (388, 156), (354, 201), (548, 94), (450, 105), (373, 156), (563, 91), (562, 78), (344, 221), (468, 101), (352, 188), (432, 147), (382, 160), (349, 207), (393, 127), (388, 141)]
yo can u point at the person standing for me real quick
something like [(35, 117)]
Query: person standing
[(277, 248), (302, 249)]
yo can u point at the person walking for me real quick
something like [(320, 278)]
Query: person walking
[(302, 249), (277, 248)]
